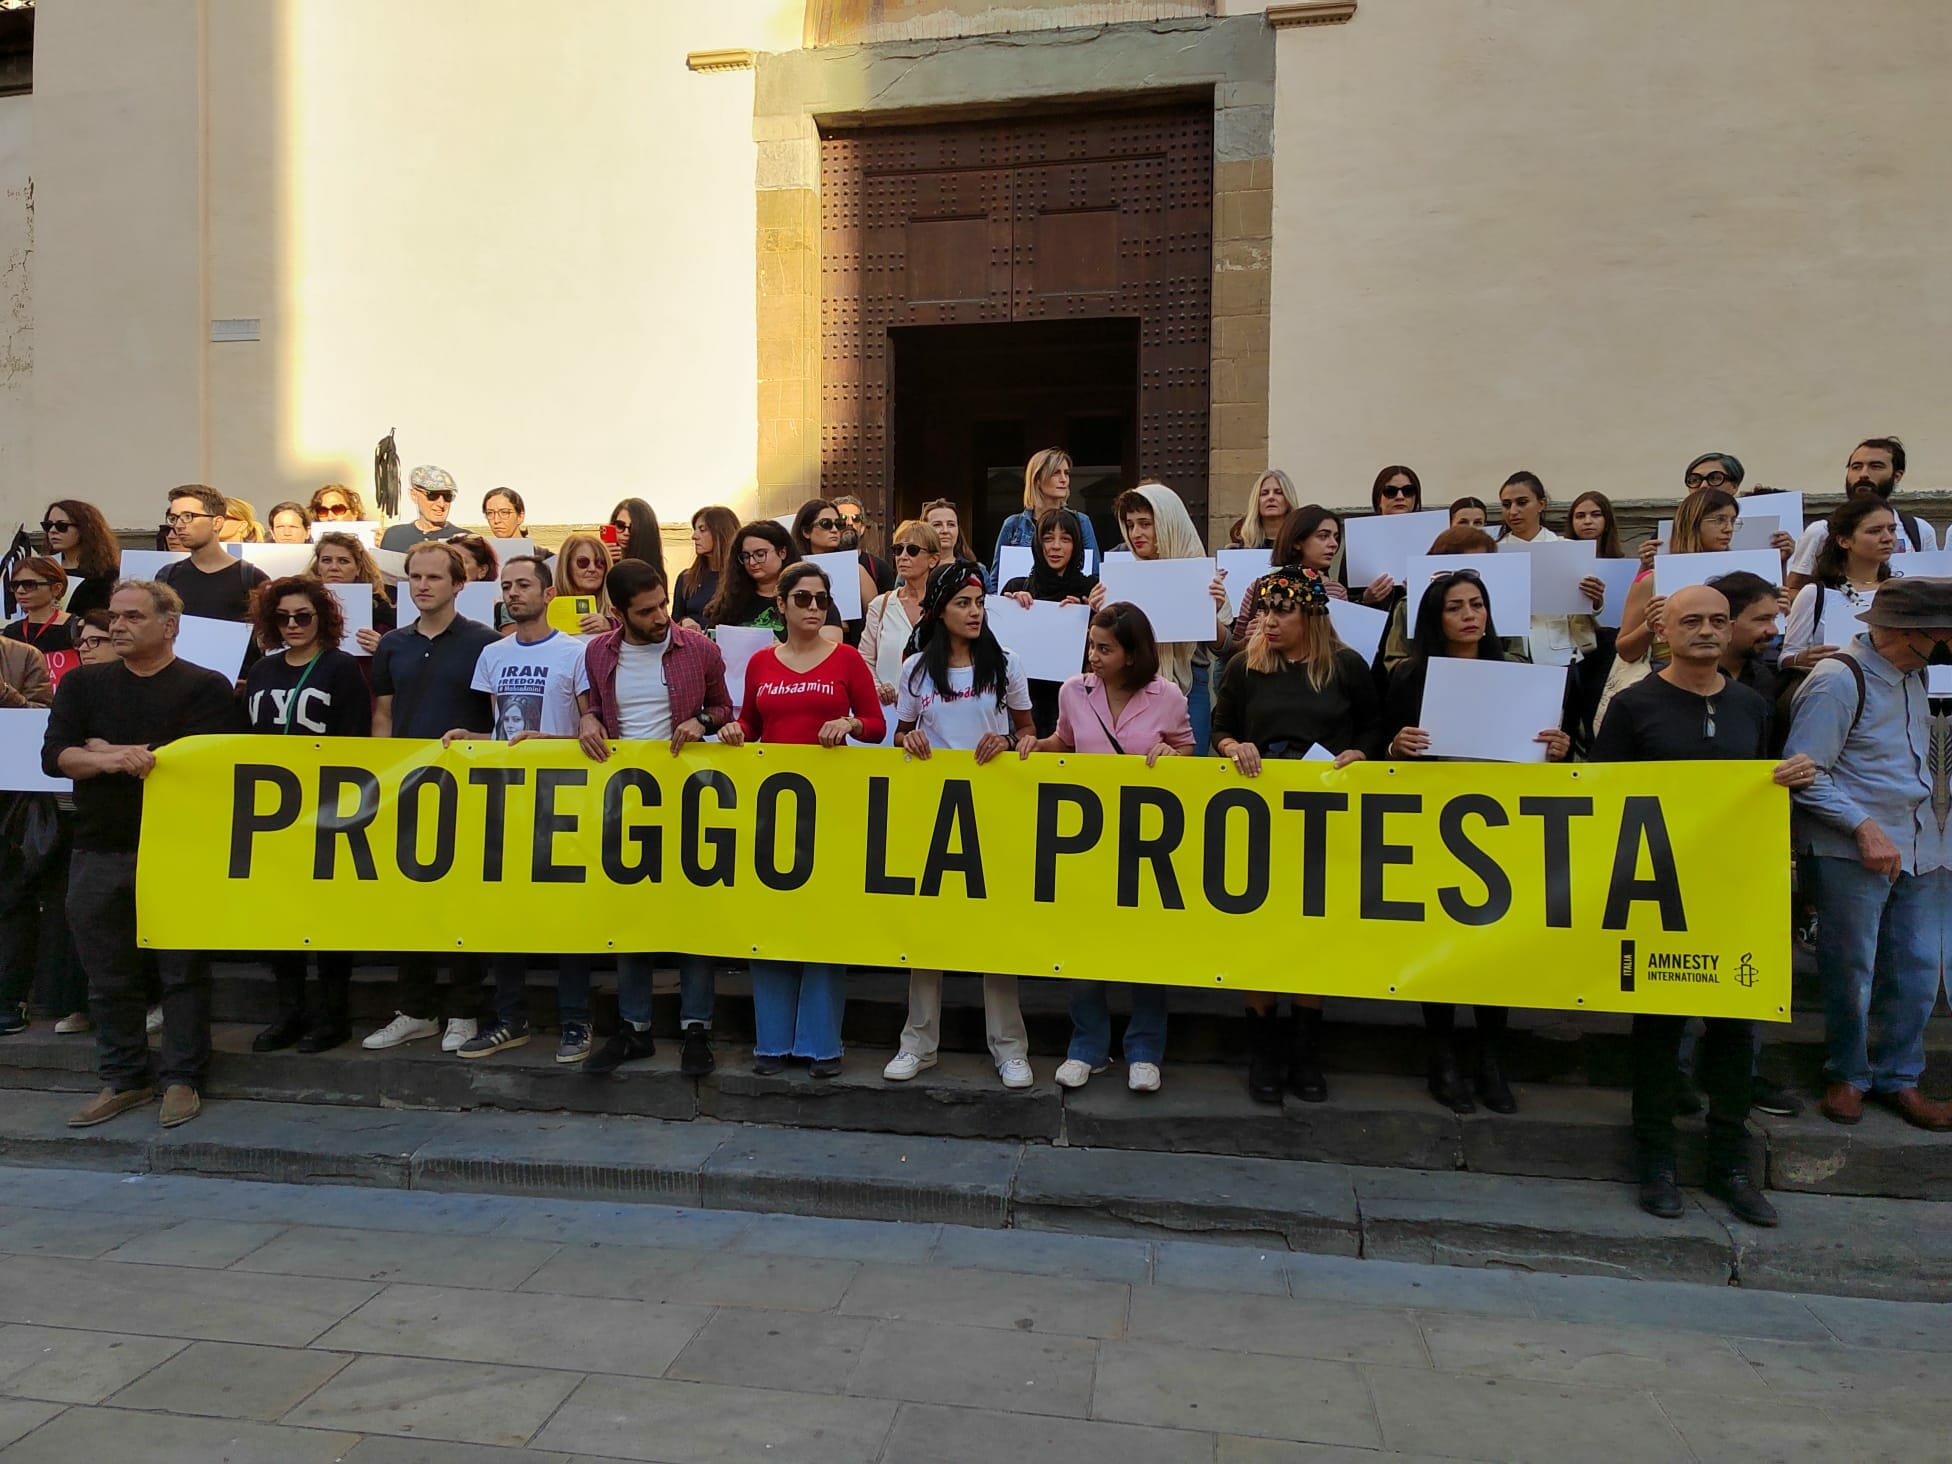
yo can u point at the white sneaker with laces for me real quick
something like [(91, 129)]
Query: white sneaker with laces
[(904, 1065), (460, 1032), (401, 1029), (75, 1022), (1016, 1073), (1143, 1078), (1071, 1073), (153, 1023)]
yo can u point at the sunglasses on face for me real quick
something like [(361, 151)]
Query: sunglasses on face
[(437, 495), (622, 526), (902, 551), (21, 585), (295, 617), (825, 523), (809, 599), (1705, 480), (56, 526), (1395, 492), (184, 520), (754, 556), (340, 510)]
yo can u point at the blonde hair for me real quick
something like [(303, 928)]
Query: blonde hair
[(914, 531), (241, 510), (1041, 465), (566, 552), (1319, 643), (1252, 536)]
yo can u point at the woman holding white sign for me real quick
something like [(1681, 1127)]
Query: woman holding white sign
[(1294, 690), (1703, 524), (817, 529), (1555, 640), (916, 549), (1056, 576), (807, 691), (1854, 560), (1122, 706), (1046, 484), (340, 559), (1157, 526), (1455, 620), (963, 692), (1268, 506), (1308, 541)]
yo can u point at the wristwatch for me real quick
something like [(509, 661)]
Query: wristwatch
[(705, 720)]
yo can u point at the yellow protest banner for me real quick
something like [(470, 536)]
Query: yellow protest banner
[(1612, 888)]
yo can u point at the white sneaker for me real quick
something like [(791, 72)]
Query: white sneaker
[(402, 1028), (1072, 1073), (1016, 1073), (904, 1065), (1143, 1078), (460, 1032), (154, 1021), (75, 1022)]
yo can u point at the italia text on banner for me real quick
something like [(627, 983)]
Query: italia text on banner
[(1591, 887)]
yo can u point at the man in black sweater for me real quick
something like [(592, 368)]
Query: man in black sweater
[(103, 729)]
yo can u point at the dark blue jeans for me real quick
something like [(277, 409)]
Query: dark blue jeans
[(512, 989), (1877, 951), (102, 913), (696, 990)]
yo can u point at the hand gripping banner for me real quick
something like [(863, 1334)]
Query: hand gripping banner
[(1654, 887)]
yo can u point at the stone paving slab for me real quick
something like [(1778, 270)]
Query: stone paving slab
[(846, 1175), (233, 1380), (465, 1402), (155, 1438), (1900, 1251), (59, 1365)]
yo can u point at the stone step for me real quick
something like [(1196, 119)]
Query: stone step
[(1894, 1249), (1562, 1131)]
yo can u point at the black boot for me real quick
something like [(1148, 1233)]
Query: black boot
[(281, 1034), (1734, 1189), (1265, 1070), (1493, 1091), (334, 1025), (1446, 1081), (1660, 1196), (1305, 1078)]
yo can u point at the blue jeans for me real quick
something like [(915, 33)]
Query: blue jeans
[(696, 990), (797, 1009), (1877, 952), (512, 989), (1199, 709), (1091, 1023)]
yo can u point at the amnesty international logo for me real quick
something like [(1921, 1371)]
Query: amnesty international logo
[(1746, 974)]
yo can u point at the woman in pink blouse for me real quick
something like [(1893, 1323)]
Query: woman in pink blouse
[(1122, 705)]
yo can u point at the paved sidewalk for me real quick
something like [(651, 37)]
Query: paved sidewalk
[(162, 1318)]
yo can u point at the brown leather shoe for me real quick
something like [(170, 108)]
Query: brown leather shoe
[(180, 1104), (1918, 1110), (108, 1103), (1842, 1103)]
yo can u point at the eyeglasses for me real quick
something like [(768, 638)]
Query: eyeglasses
[(341, 510), (21, 584), (825, 523), (809, 599), (496, 515), (902, 551), (184, 520), (90, 642), (437, 495), (56, 526), (295, 617), (753, 556), (1705, 480), (1398, 491)]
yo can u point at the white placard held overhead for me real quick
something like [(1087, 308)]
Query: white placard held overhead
[(476, 600), (1507, 582), (219, 645), (1242, 567), (1754, 533), (1785, 508), (1490, 711), (1385, 543), (1618, 576), (1932, 563), (142, 564), (356, 604), (1048, 637), (738, 644), (22, 731), (367, 531), (1013, 561), (1172, 593), (843, 568), (277, 560), (1360, 627), (1677, 571), (1558, 565)]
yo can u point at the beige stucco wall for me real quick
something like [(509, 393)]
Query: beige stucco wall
[(16, 307), (523, 237), (1592, 239)]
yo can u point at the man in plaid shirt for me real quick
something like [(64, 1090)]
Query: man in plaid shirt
[(652, 680)]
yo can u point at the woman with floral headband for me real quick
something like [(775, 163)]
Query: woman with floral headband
[(961, 691), (1296, 687)]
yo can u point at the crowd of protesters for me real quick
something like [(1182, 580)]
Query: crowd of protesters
[(1699, 674)]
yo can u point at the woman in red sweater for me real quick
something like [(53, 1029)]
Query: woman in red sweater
[(807, 691)]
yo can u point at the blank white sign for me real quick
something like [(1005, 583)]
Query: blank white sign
[(1677, 571), (1242, 567), (22, 731), (1359, 626), (1507, 584), (356, 604), (1171, 592), (219, 645), (1491, 711), (1048, 638), (843, 568), (1384, 543)]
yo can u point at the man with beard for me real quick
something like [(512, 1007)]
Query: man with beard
[(854, 535), (1877, 465)]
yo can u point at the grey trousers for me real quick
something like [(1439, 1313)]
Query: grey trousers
[(102, 914), (1002, 1017)]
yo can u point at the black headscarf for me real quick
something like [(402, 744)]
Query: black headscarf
[(1045, 582)]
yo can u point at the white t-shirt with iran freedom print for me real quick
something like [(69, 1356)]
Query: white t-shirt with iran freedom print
[(534, 685), (957, 722)]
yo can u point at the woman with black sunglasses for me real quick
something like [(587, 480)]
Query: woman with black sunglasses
[(817, 529), (312, 689), (1455, 620), (76, 536), (634, 534), (38, 585), (807, 691)]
